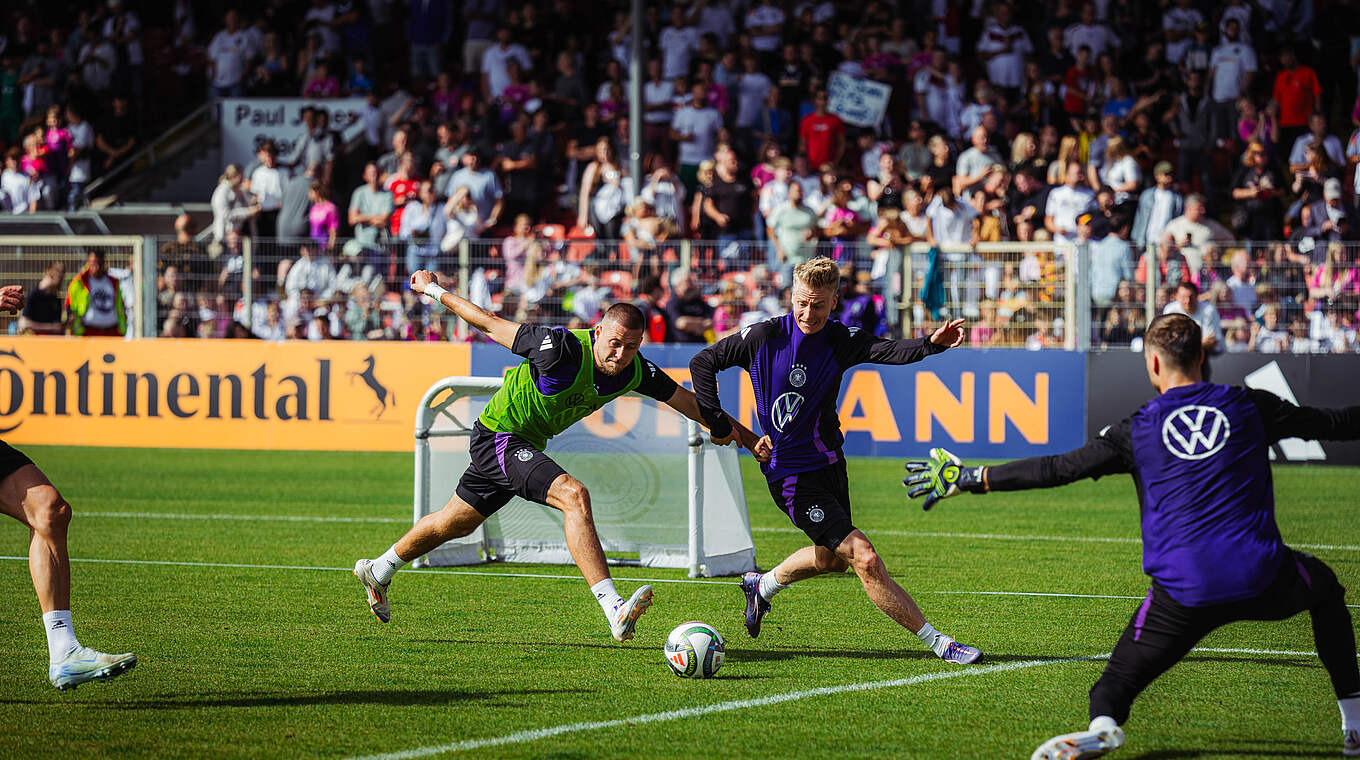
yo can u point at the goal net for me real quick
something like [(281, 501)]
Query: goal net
[(662, 496)]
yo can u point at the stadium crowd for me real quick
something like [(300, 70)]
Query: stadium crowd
[(1196, 136)]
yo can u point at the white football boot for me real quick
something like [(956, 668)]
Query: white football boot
[(377, 592), (625, 615), (1093, 742), (84, 664)]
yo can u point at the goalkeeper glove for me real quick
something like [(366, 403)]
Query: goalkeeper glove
[(940, 477)]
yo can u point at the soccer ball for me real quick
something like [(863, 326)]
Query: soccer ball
[(695, 650)]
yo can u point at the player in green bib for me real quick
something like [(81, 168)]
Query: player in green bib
[(566, 375)]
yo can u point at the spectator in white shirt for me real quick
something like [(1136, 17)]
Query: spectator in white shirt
[(950, 220), (695, 127), (713, 17), (1003, 47), (1205, 315), (1195, 231), (82, 148), (1088, 33), (976, 162), (677, 43), (752, 87), (266, 184), (495, 76), (1179, 24), (18, 195), (1231, 68), (228, 53), (934, 87), (765, 22), (658, 108), (1065, 204), (1317, 130)]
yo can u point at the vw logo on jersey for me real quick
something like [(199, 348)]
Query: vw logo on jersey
[(1195, 432), (785, 408), (798, 376), (524, 455)]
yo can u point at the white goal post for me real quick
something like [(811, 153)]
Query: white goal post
[(629, 455)]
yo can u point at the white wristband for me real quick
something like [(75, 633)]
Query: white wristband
[(434, 291)]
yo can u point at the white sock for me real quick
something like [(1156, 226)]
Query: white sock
[(61, 634), (387, 565), (1350, 713), (606, 595), (769, 586), (938, 642), (1103, 723)]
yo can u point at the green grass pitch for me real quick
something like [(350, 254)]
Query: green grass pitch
[(256, 662)]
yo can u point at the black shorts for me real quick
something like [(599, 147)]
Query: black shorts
[(504, 466), (818, 502), (11, 459)]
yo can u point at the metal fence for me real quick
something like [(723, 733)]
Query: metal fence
[(1292, 296)]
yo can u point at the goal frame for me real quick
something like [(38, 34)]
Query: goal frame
[(434, 404)]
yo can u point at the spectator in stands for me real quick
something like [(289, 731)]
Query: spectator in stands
[(1330, 220), (118, 133), (1335, 277), (729, 205), (1297, 91), (422, 229), (229, 53), (97, 61), (494, 68), (404, 185), (18, 193), (312, 275), (695, 128), (483, 187), (370, 207), (1171, 265), (186, 256), (793, 230), (296, 203), (689, 313), (1317, 132), (323, 217), (821, 134), (975, 163), (266, 185), (94, 301), (42, 307), (1195, 232), (1231, 69), (1256, 192), (1111, 258), (231, 207), (1065, 204), (428, 26), (1268, 335), (1242, 282), (1190, 123)]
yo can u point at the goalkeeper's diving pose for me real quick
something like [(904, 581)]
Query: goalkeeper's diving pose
[(1198, 453), (566, 375), (796, 363)]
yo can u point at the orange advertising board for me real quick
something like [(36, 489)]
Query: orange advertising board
[(218, 394)]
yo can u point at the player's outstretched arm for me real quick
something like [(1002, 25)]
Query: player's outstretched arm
[(500, 330), (909, 350), (944, 475), (735, 350), (685, 402), (1285, 420)]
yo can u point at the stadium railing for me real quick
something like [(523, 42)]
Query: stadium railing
[(1036, 295)]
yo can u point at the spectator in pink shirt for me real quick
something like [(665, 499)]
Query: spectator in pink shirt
[(323, 217)]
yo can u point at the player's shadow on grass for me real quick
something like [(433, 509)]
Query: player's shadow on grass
[(741, 653), (1287, 750), (393, 698)]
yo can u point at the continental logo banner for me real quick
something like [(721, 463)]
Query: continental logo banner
[(218, 394)]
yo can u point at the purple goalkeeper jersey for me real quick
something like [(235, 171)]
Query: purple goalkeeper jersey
[(797, 379)]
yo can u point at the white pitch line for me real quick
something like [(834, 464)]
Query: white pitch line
[(548, 576), (520, 737), (760, 529), (1023, 537)]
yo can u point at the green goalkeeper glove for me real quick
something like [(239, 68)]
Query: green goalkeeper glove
[(940, 477)]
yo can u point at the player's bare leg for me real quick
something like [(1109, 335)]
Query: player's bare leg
[(572, 497), (455, 520), (808, 562), (29, 497)]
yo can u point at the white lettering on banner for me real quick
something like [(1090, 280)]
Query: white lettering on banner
[(248, 122), (861, 102)]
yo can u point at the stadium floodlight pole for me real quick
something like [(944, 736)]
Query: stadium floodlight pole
[(635, 100)]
